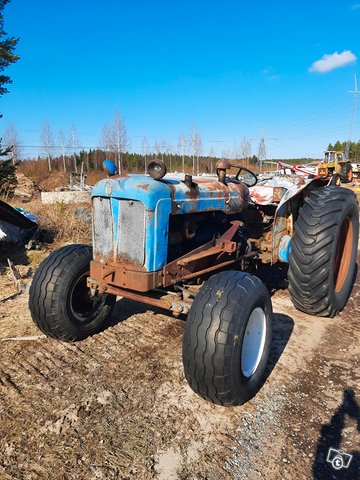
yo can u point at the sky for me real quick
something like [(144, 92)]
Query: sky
[(275, 69)]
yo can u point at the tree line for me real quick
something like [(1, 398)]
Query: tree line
[(351, 149), (66, 152)]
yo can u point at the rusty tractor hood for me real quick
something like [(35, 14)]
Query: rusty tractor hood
[(205, 194)]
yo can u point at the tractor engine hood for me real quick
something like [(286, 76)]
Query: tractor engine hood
[(204, 194)]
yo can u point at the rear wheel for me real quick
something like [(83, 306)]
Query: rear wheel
[(60, 301), (335, 180), (346, 173), (323, 251), (227, 338)]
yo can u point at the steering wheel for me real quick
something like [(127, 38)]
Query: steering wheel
[(241, 168)]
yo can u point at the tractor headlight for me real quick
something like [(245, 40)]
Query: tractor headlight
[(156, 169)]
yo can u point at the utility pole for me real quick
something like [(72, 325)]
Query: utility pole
[(261, 153), (356, 96), (262, 150)]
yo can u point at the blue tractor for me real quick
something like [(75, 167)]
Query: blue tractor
[(194, 246)]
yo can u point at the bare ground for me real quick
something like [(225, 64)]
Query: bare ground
[(117, 405)]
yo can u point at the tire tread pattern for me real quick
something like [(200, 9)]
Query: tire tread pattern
[(44, 294), (210, 333), (310, 264)]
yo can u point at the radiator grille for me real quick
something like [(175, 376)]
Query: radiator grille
[(103, 227), (131, 241)]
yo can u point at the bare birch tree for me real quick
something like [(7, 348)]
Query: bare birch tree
[(245, 150), (192, 141), (236, 153), (225, 152), (74, 144), (47, 142), (11, 140), (107, 139), (62, 145), (157, 148), (182, 145), (168, 151), (162, 148), (121, 138), (212, 158), (196, 146), (145, 148)]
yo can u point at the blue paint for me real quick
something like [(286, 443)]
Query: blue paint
[(285, 248), (114, 203), (161, 198), (156, 196), (109, 167)]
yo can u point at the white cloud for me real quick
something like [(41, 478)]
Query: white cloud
[(331, 61)]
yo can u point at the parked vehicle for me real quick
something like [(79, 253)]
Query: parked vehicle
[(335, 163), (356, 169), (193, 245)]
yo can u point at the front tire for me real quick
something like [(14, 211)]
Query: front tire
[(323, 251), (227, 338), (59, 299)]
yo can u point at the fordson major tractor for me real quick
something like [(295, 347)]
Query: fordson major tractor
[(193, 245)]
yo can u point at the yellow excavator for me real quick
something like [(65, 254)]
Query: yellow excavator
[(334, 163)]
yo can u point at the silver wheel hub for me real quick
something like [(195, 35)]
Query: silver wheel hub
[(253, 342)]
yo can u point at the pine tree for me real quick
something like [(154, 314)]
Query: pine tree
[(7, 57)]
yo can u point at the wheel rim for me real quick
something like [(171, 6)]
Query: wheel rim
[(343, 254), (83, 306), (253, 342)]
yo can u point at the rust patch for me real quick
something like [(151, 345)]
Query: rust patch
[(124, 276), (193, 192), (143, 187), (124, 259), (223, 164)]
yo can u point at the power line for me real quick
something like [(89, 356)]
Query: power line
[(353, 114)]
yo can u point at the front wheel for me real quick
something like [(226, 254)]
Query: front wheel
[(60, 301), (227, 338)]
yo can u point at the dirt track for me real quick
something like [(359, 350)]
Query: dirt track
[(117, 405)]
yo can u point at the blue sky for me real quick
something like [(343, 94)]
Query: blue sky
[(234, 68)]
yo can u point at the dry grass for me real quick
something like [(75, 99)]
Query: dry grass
[(59, 225), (53, 181), (36, 170), (94, 176)]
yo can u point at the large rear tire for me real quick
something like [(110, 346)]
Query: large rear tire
[(323, 251), (227, 338), (346, 173), (59, 299)]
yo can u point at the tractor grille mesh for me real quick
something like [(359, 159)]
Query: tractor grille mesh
[(131, 242), (103, 227), (130, 225)]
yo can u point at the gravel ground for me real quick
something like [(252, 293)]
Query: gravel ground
[(117, 406)]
